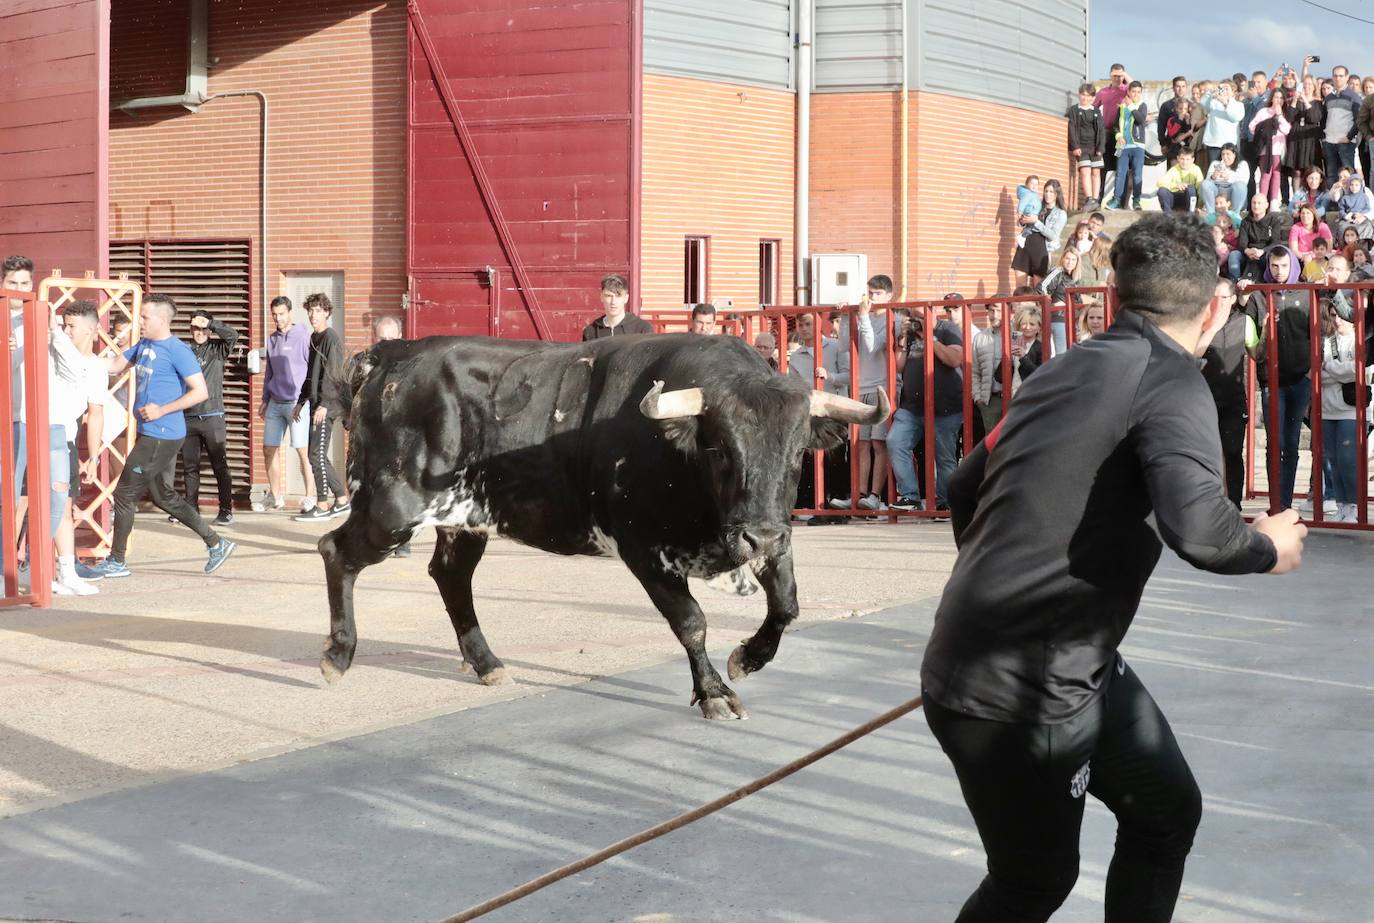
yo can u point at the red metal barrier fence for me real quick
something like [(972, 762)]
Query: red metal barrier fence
[(836, 343), (28, 318)]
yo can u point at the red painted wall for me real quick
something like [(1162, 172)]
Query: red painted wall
[(54, 114), (549, 93)]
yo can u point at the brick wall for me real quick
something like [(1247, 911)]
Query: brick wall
[(966, 159), (334, 73), (718, 161)]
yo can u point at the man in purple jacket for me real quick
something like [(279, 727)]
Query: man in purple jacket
[(288, 352), (1109, 100)]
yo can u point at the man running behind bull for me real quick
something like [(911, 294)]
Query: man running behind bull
[(1023, 684)]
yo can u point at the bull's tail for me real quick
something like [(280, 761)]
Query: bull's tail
[(343, 382)]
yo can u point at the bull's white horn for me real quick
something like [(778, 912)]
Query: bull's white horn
[(661, 405), (825, 404)]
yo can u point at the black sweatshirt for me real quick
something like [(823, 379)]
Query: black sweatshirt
[(212, 355), (1055, 554), (326, 357)]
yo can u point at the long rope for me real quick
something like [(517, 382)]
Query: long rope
[(668, 826)]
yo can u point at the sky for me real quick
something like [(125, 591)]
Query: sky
[(1156, 41)]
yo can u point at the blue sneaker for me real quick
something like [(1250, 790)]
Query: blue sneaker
[(219, 554), (106, 568), (88, 572), (1112, 205)]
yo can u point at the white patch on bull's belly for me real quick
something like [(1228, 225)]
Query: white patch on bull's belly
[(737, 582), (454, 508), (701, 564), (603, 543)]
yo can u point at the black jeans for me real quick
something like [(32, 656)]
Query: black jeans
[(327, 481), (1231, 420), (210, 433), (147, 471), (1025, 784)]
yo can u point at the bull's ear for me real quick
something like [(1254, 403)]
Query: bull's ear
[(681, 433), (827, 434)]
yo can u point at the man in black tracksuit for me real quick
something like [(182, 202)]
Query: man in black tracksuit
[(205, 421), (1023, 684), (1224, 370), (326, 358)]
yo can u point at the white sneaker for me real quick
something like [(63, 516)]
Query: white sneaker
[(841, 503), (72, 585), (263, 503), (1329, 508), (1349, 512), (307, 504), (871, 502)]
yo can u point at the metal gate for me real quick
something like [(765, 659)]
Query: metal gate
[(213, 275), (523, 174)]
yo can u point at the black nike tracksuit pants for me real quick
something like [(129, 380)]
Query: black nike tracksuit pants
[(1026, 784)]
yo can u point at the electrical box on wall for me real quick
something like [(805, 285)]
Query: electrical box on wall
[(838, 278)]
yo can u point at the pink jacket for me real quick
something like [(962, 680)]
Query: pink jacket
[(1300, 239)]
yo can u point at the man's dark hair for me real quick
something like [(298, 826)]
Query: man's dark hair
[(952, 296), (280, 299), (16, 263), (1116, 67), (1024, 290), (616, 284), (83, 309), (1165, 267), (201, 312), (1135, 84), (881, 283), (167, 301), (1321, 242), (321, 299), (1178, 78), (703, 309), (1099, 216)]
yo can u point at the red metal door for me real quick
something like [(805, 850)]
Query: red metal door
[(54, 121), (523, 160)]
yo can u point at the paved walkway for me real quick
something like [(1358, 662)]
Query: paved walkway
[(1266, 681)]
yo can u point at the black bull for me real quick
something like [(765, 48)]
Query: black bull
[(678, 454)]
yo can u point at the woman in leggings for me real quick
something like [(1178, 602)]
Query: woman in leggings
[(1023, 685), (326, 356)]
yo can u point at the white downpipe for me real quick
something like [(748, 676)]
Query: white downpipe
[(802, 231), (905, 155)]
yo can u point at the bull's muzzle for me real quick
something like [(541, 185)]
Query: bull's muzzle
[(751, 542), (845, 410)]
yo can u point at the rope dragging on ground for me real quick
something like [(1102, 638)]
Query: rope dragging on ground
[(682, 820)]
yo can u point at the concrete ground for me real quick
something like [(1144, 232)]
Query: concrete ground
[(145, 770)]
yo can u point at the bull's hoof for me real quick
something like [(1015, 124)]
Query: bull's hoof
[(736, 667), (465, 667), (723, 708), (497, 677), (332, 674)]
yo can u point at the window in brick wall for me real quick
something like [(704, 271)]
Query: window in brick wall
[(214, 275), (696, 270), (768, 271)]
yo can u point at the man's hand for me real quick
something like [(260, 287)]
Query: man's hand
[(865, 305), (1287, 534), (1077, 152), (820, 372), (89, 468), (262, 411), (151, 412), (319, 415), (296, 414), (200, 322)]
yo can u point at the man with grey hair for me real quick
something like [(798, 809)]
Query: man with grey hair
[(386, 328), (389, 328)]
